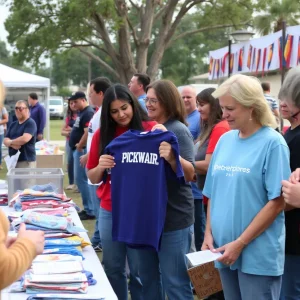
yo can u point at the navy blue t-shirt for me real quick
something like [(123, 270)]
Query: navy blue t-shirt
[(139, 186), (82, 121), (16, 130)]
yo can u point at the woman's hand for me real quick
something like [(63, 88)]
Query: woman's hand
[(208, 242), (106, 162), (295, 176), (160, 127), (166, 152), (232, 251)]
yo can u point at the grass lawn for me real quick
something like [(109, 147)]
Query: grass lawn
[(55, 129)]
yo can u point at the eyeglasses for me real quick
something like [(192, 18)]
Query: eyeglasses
[(295, 115), (20, 108), (151, 101)]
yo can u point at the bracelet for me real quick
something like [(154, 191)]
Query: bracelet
[(241, 241)]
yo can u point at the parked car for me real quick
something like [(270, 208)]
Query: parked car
[(56, 107)]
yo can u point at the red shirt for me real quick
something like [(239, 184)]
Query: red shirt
[(219, 129), (103, 191)]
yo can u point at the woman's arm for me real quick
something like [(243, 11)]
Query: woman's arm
[(201, 166), (4, 119), (263, 219), (259, 224)]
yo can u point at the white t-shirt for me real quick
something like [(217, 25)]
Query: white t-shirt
[(93, 126)]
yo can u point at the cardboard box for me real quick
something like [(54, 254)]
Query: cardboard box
[(50, 161), (206, 280)]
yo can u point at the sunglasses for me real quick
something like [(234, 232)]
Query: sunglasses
[(20, 108)]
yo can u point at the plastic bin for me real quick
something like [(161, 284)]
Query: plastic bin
[(20, 179)]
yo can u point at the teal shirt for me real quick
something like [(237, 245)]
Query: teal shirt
[(244, 174)]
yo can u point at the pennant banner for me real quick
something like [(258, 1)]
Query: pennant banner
[(240, 61), (264, 61), (270, 55), (280, 52), (225, 59), (249, 57), (253, 59), (298, 57), (288, 50), (211, 61), (231, 62), (258, 59)]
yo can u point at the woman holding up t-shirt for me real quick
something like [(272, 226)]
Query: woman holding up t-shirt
[(212, 128), (121, 111)]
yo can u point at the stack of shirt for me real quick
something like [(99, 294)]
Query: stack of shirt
[(29, 199), (47, 223), (56, 276)]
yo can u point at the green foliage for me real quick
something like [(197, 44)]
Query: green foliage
[(278, 11), (64, 92)]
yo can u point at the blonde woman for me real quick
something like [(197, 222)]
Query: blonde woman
[(245, 220)]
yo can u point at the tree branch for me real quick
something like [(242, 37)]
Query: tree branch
[(190, 32), (135, 38), (100, 61), (135, 5)]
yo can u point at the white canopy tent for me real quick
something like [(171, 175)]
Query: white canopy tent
[(19, 84)]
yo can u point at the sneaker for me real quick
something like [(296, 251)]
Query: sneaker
[(75, 188), (97, 248), (70, 187), (82, 213), (1, 168), (86, 217)]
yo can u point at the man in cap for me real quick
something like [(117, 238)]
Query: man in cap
[(77, 143)]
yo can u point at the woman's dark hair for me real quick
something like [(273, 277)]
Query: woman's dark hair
[(107, 124), (215, 115), (168, 96), (70, 113)]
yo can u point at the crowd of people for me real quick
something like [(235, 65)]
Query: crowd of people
[(230, 182)]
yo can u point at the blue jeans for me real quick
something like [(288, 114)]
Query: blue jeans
[(168, 267), (96, 205), (291, 278), (200, 221), (241, 286), (1, 142), (70, 161), (82, 183), (114, 260)]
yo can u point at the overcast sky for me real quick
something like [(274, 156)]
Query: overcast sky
[(3, 15)]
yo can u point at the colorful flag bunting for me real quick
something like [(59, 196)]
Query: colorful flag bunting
[(249, 57), (225, 59), (231, 62), (288, 50), (253, 59), (264, 61), (280, 52), (240, 60), (258, 59), (298, 60), (270, 55), (211, 61), (218, 68)]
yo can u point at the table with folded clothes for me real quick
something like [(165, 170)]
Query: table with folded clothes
[(69, 265)]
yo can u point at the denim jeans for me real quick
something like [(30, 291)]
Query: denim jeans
[(114, 260), (70, 161), (200, 221), (96, 205), (291, 278), (82, 183), (168, 267), (1, 142), (241, 286)]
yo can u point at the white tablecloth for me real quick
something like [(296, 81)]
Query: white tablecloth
[(91, 263)]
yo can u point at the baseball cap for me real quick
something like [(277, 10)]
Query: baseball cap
[(77, 95)]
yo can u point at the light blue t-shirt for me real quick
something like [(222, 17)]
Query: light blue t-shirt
[(193, 120), (244, 174), (141, 100)]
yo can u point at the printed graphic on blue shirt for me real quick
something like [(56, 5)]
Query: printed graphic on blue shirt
[(138, 186)]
